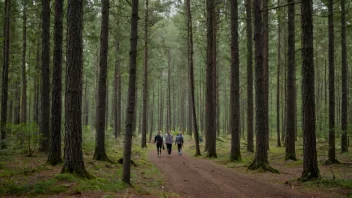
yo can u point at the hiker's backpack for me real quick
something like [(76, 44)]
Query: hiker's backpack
[(158, 139), (179, 139)]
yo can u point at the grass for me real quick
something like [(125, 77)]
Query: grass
[(30, 176)]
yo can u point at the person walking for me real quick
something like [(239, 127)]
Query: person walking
[(169, 140), (179, 142), (158, 140)]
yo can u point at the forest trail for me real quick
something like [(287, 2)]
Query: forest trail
[(194, 177)]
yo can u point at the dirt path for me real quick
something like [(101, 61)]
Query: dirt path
[(193, 177)]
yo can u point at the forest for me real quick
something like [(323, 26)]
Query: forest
[(260, 89)]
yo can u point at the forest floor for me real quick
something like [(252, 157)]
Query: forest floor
[(190, 176), (169, 176)]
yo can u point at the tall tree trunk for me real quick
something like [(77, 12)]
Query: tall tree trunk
[(261, 155), (310, 162), (331, 154), (214, 54), (54, 157), (250, 144), (134, 123), (266, 68), (117, 93), (159, 107), (86, 103), (45, 83), (291, 85), (168, 116), (183, 97), (36, 86), (100, 151), (24, 76), (145, 85), (210, 102), (191, 73), (190, 113), (73, 156), (5, 74), (344, 144), (152, 118), (235, 154), (278, 78), (131, 95)]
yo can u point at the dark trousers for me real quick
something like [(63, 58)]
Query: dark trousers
[(169, 148), (179, 147), (158, 148)]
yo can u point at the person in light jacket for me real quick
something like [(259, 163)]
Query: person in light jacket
[(169, 140)]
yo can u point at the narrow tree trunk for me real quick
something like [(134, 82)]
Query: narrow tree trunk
[(169, 93), (54, 157), (278, 78), (214, 54), (151, 118), (331, 154), (131, 95), (190, 113), (134, 123), (145, 85), (45, 83), (86, 103), (5, 74), (116, 84), (210, 102), (235, 154), (344, 142), (191, 73), (73, 156), (100, 151), (266, 68), (310, 162), (250, 144), (291, 85), (36, 86), (24, 76)]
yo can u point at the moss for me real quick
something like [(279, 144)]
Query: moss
[(262, 167)]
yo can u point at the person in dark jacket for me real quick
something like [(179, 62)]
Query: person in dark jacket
[(179, 142), (158, 140)]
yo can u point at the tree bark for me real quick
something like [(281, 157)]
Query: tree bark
[(168, 102), (5, 74), (191, 73), (291, 85), (100, 151), (131, 95), (235, 154), (266, 68), (24, 78), (145, 85), (344, 144), (117, 93), (152, 118), (86, 104), (261, 155), (54, 157), (250, 144), (45, 83), (73, 156), (310, 163), (210, 102), (36, 86), (331, 154), (278, 78)]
